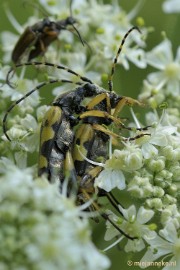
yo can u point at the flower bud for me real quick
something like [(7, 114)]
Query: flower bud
[(156, 165), (172, 190), (158, 192), (155, 203)]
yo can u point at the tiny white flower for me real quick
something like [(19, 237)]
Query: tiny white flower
[(171, 214), (21, 89), (8, 40), (140, 187), (127, 160), (151, 95), (134, 55), (31, 142), (171, 6), (133, 225), (161, 57), (109, 179), (168, 245), (159, 136)]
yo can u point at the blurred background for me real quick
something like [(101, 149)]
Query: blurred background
[(153, 16)]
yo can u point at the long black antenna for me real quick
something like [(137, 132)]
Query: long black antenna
[(35, 63), (71, 14), (110, 83), (78, 34), (38, 87), (82, 78)]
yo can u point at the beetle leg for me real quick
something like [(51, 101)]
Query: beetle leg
[(102, 114), (105, 130), (96, 100), (125, 101), (87, 181)]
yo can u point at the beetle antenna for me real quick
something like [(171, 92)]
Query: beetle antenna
[(110, 83), (35, 63), (83, 41), (71, 14), (78, 34), (37, 88)]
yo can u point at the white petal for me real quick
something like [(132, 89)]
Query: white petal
[(149, 256), (168, 130), (135, 246), (137, 58), (29, 122), (129, 212), (144, 215), (161, 55), (169, 233), (173, 88), (149, 150), (162, 246), (174, 264), (156, 77), (177, 59), (159, 139), (110, 179), (111, 233)]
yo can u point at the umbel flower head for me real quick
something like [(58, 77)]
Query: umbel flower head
[(40, 228)]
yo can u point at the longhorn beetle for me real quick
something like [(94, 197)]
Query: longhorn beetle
[(37, 38), (63, 125)]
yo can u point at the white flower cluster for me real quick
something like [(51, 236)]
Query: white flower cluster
[(144, 164), (40, 228)]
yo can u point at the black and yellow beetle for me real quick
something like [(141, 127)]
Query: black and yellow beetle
[(58, 142), (36, 38), (71, 131)]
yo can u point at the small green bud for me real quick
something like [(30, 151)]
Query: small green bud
[(100, 31), (51, 2), (68, 47), (152, 226), (140, 21), (104, 77), (153, 102), (119, 221)]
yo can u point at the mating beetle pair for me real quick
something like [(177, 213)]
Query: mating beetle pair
[(73, 132)]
